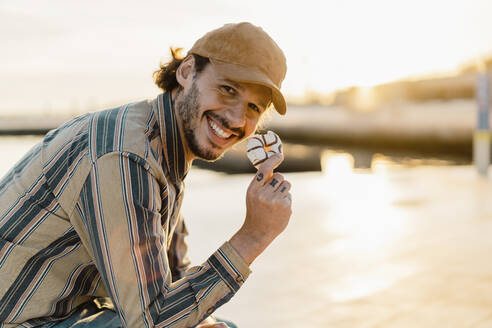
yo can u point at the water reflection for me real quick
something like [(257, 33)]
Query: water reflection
[(336, 165), (382, 163), (367, 224)]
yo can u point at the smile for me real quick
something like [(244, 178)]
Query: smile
[(218, 131)]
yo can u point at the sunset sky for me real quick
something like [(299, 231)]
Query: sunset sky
[(69, 56)]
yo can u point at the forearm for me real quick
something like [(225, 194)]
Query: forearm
[(249, 244)]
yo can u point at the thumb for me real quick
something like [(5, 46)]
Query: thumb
[(265, 169)]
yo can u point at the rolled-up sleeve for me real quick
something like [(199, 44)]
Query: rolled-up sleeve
[(118, 219)]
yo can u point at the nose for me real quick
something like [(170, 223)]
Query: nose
[(236, 115)]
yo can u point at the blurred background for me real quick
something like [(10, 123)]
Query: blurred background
[(392, 218)]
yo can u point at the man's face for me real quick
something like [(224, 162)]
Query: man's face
[(217, 113)]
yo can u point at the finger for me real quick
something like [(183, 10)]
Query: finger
[(287, 199), (210, 320), (275, 181), (265, 169), (220, 325), (284, 187)]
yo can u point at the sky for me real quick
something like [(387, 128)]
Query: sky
[(64, 56)]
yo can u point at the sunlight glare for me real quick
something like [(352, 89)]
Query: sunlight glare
[(365, 98), (368, 227), (336, 164)]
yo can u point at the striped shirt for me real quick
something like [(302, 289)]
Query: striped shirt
[(93, 210)]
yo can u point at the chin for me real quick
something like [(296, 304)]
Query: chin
[(207, 153), (208, 156)]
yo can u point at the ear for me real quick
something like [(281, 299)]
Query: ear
[(184, 73)]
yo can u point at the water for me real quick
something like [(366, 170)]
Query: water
[(12, 148), (398, 245)]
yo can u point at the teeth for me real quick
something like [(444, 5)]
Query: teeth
[(219, 131)]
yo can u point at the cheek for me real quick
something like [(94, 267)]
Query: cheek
[(250, 127), (212, 99), (222, 99)]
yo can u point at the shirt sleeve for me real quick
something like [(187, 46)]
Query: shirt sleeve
[(178, 251), (118, 218)]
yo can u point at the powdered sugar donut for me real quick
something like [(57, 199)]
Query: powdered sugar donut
[(263, 146)]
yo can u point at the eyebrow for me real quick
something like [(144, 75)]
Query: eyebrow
[(240, 87), (234, 84)]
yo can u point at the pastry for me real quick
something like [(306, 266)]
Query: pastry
[(263, 146)]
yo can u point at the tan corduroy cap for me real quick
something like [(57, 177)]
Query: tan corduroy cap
[(245, 53)]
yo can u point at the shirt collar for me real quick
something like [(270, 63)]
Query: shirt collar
[(171, 139)]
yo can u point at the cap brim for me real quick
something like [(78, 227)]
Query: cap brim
[(250, 75)]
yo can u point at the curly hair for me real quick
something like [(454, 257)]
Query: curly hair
[(165, 76)]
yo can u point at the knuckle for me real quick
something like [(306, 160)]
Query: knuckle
[(262, 198), (286, 186), (277, 201), (278, 175)]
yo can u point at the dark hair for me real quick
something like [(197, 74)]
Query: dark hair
[(165, 76)]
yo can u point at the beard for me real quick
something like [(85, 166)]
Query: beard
[(189, 110)]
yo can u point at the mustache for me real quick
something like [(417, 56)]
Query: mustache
[(221, 120)]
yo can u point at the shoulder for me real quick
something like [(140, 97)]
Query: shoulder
[(118, 129), (128, 130)]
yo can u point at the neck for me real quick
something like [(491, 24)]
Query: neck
[(176, 96)]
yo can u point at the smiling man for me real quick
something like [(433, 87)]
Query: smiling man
[(90, 228)]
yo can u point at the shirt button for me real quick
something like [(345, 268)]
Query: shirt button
[(239, 279), (210, 311)]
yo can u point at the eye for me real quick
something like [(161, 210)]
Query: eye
[(254, 107), (228, 89)]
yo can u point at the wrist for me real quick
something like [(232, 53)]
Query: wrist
[(249, 244)]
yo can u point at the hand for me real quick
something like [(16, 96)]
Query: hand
[(211, 323), (268, 201), (268, 210)]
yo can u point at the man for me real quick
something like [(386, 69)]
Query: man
[(90, 228)]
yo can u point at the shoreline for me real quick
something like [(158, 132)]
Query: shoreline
[(430, 129)]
